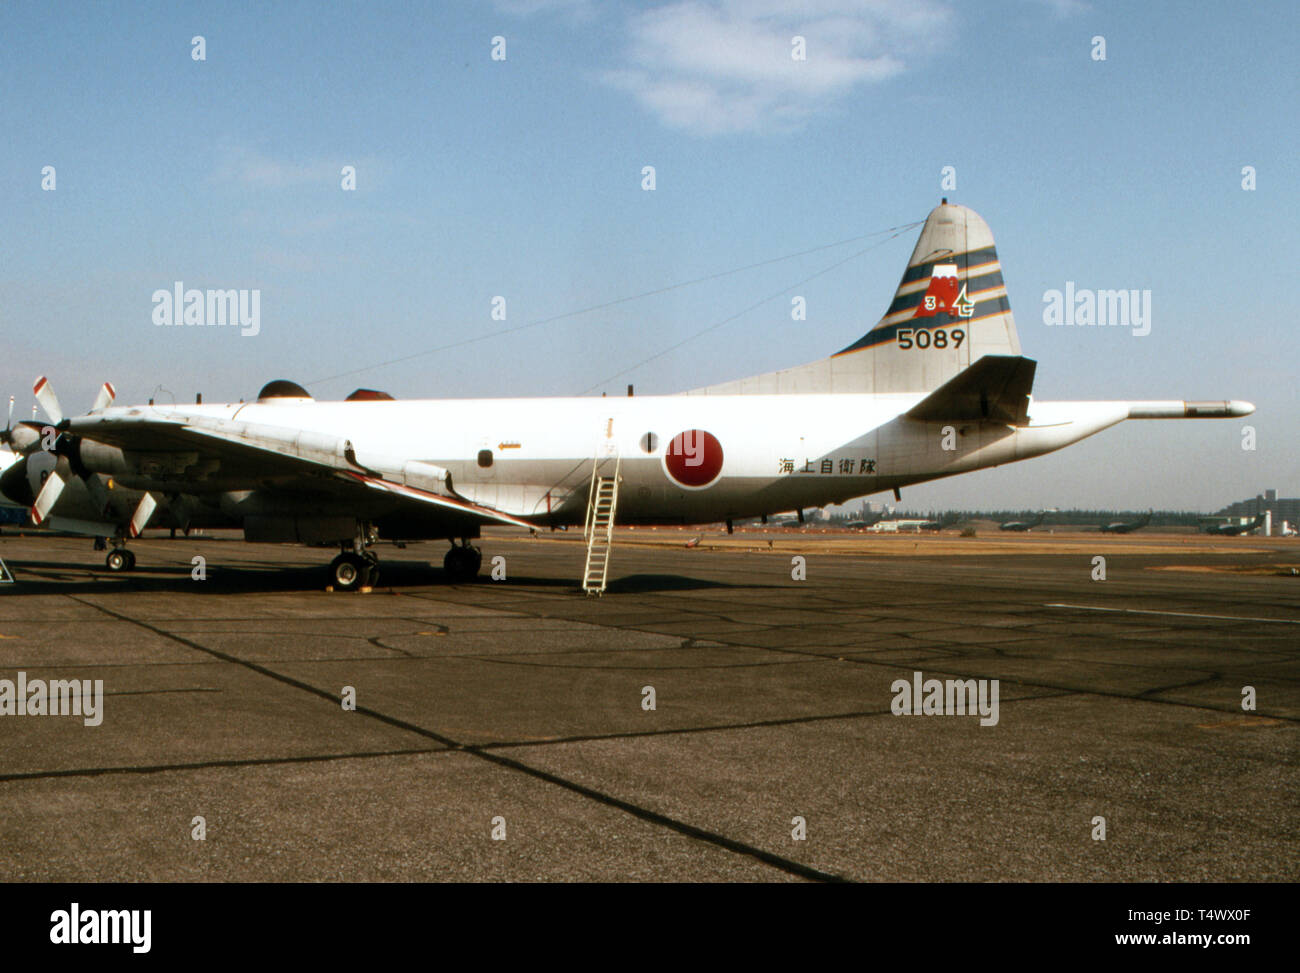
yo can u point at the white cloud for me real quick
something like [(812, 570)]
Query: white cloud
[(251, 167), (582, 9), (1066, 8), (718, 66)]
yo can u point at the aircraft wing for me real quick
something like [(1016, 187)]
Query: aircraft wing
[(254, 456), (444, 503), (996, 388), (225, 448)]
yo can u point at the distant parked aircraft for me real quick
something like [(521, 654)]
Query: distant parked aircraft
[(1024, 525), (1119, 527), (904, 526), (870, 519), (1234, 529)]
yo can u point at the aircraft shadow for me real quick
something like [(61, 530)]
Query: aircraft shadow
[(645, 583), (78, 577)]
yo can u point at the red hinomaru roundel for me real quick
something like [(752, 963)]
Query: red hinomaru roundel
[(694, 458)]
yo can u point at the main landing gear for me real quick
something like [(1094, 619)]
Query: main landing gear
[(358, 566), (462, 562), (352, 571)]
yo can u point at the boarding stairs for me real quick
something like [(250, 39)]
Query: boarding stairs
[(602, 502)]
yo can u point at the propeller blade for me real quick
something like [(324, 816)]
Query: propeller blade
[(105, 397), (47, 498), (142, 514), (44, 393), (9, 424)]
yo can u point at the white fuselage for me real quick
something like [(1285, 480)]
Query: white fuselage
[(779, 452)]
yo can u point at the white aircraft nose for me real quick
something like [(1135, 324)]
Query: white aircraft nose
[(1239, 408)]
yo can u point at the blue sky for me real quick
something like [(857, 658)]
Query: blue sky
[(522, 178)]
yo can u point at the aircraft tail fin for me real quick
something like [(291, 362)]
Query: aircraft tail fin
[(949, 311)]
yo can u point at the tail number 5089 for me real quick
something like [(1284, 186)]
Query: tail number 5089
[(920, 338)]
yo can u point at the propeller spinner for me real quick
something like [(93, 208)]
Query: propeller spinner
[(64, 445)]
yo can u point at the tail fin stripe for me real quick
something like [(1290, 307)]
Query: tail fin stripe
[(974, 285), (971, 258), (974, 272), (882, 334), (908, 313)]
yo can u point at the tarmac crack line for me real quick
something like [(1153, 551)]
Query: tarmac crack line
[(787, 865), (648, 667), (1133, 697), (723, 727), (216, 764)]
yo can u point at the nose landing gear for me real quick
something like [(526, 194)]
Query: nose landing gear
[(119, 558)]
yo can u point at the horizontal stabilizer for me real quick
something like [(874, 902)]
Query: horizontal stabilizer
[(995, 389)]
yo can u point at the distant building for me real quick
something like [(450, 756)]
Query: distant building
[(1283, 509)]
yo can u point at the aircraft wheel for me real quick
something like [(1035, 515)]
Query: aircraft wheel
[(349, 571), (130, 559), (462, 564), (451, 564), (117, 560)]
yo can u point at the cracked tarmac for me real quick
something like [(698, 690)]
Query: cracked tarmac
[(521, 700)]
